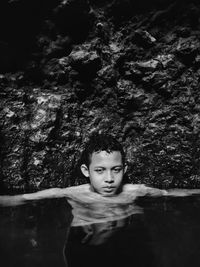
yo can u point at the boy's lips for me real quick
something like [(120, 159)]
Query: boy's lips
[(108, 188)]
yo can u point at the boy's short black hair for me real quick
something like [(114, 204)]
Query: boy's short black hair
[(101, 142)]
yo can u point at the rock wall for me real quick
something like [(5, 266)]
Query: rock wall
[(72, 67)]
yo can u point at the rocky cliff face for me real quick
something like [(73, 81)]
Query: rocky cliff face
[(125, 67)]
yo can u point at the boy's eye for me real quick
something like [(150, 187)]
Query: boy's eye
[(99, 170), (117, 170)]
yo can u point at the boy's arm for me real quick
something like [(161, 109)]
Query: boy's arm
[(176, 192), (16, 200), (47, 193)]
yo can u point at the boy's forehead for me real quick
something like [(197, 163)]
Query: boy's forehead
[(104, 156)]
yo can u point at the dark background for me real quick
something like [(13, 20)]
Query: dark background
[(68, 68)]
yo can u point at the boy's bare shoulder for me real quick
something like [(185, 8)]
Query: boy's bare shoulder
[(83, 188), (142, 190), (134, 187), (55, 192)]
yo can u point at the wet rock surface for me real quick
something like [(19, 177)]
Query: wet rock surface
[(113, 66)]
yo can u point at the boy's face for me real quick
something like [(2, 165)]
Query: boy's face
[(105, 172)]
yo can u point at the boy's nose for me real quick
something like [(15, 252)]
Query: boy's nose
[(109, 178)]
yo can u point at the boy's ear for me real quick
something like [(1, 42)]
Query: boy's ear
[(84, 170)]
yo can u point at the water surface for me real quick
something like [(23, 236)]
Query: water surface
[(163, 232)]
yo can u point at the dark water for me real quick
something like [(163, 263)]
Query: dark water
[(165, 234)]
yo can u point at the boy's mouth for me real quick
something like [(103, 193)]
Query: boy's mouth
[(109, 189)]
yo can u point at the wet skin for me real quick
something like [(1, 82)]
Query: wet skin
[(106, 171)]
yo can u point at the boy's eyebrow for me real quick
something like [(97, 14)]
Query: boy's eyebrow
[(116, 166)]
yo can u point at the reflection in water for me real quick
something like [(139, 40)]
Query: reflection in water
[(101, 220), (97, 221), (99, 233), (35, 234), (97, 212), (124, 242), (107, 234), (75, 233)]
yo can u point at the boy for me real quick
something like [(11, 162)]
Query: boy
[(103, 163)]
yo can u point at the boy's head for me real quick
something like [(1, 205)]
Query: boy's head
[(103, 162)]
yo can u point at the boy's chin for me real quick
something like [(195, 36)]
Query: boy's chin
[(106, 192)]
